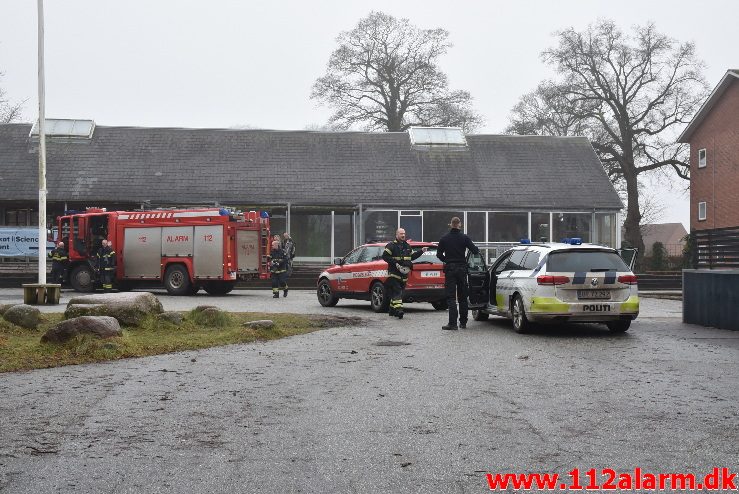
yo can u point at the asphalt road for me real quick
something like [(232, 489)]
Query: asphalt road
[(389, 406)]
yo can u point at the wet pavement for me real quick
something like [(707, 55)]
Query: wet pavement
[(388, 406)]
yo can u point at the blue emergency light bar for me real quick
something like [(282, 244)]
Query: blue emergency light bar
[(525, 241), (572, 241)]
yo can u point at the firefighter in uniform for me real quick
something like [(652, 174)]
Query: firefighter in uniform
[(452, 252), (288, 245), (278, 270), (398, 255), (106, 265), (59, 262)]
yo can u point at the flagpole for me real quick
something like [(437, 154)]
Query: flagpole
[(41, 151)]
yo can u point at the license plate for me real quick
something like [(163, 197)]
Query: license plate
[(430, 274), (594, 294)]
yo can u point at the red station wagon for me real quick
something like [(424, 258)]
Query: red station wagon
[(362, 273)]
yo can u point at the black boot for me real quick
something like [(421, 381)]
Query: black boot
[(399, 314), (284, 294), (391, 312), (276, 295)]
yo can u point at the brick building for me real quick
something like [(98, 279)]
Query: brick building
[(713, 135)]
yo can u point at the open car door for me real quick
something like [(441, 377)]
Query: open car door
[(478, 281), (629, 257)]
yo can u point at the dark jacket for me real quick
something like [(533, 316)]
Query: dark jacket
[(106, 259), (59, 257), (397, 252), (289, 247), (452, 247), (278, 262)]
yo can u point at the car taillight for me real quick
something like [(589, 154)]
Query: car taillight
[(546, 279), (627, 279)]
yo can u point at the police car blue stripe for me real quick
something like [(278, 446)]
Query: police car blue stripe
[(579, 278), (610, 278)]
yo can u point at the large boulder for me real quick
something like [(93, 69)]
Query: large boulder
[(4, 307), (129, 308), (98, 326), (23, 315)]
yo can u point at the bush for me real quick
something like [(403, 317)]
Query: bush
[(659, 257)]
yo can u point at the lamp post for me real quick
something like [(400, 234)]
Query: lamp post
[(41, 151)]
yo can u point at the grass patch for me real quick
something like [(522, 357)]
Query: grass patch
[(21, 349)]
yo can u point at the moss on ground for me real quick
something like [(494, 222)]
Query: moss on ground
[(21, 349)]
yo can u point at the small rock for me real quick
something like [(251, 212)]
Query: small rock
[(172, 317), (99, 326), (261, 324), (522, 357), (23, 315), (201, 308)]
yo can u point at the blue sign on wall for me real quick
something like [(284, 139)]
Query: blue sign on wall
[(20, 242)]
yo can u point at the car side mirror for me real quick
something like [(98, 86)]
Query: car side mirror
[(338, 261)]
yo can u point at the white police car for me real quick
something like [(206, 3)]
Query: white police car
[(556, 283)]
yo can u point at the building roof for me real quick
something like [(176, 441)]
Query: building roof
[(667, 233), (240, 167), (726, 81)]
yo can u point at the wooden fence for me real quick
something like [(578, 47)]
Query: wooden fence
[(716, 248)]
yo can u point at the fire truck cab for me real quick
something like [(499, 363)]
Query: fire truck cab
[(183, 249)]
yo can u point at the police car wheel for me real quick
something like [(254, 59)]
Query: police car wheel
[(620, 326), (378, 297), (520, 322), (479, 315), (325, 297)]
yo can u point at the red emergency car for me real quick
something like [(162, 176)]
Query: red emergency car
[(362, 273)]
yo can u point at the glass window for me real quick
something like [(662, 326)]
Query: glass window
[(508, 227), (585, 261), (371, 254), (353, 256), (411, 225), (476, 226), (540, 227), (429, 256), (701, 158), (379, 226), (531, 260), (343, 233), (475, 263), (277, 220), (702, 211), (515, 262), (311, 231), (572, 225), (436, 224), (604, 229), (501, 263)]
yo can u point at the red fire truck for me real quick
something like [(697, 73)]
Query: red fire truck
[(183, 249)]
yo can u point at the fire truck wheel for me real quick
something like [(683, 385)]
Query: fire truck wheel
[(176, 280), (82, 278), (325, 297), (219, 287), (378, 297)]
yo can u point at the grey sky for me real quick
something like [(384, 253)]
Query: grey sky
[(183, 63)]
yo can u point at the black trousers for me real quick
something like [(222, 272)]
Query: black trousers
[(106, 278), (395, 289), (279, 281), (58, 272), (455, 286)]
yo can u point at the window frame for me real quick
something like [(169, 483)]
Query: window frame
[(704, 162), (705, 210)]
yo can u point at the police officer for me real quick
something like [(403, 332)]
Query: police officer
[(452, 252), (59, 262), (398, 255), (278, 269), (106, 264)]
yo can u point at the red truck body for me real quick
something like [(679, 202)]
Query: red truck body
[(183, 249)]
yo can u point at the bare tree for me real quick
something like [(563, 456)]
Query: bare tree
[(628, 94), (9, 112), (384, 76)]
